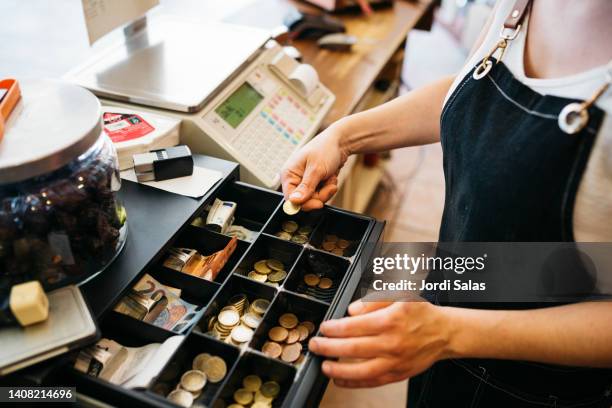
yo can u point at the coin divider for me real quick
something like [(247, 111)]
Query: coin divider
[(266, 368), (235, 285), (206, 242), (193, 345), (306, 309), (337, 270), (267, 247), (255, 205), (345, 225), (302, 218)]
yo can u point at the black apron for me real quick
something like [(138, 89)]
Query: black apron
[(511, 174)]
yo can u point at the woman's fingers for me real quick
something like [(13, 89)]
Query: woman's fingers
[(360, 307), (362, 370), (358, 347)]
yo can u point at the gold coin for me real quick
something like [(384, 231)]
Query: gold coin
[(311, 279), (277, 276), (242, 334), (251, 382), (278, 334), (289, 226), (284, 235), (303, 332), (291, 352), (338, 251), (272, 349), (309, 325), (229, 317), (259, 397), (259, 277), (293, 336), (260, 306), (251, 320), (329, 246), (262, 267), (270, 389), (291, 209), (234, 405), (299, 239), (325, 283), (305, 230), (288, 320), (215, 369), (181, 398), (331, 238), (343, 243), (193, 380), (275, 264), (243, 396), (261, 404), (199, 360)]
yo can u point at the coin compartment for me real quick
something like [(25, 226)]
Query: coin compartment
[(207, 242), (254, 205), (302, 218), (267, 369), (321, 264), (182, 360), (235, 285), (349, 226), (305, 309), (269, 248)]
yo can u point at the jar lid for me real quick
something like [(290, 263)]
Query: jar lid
[(52, 124)]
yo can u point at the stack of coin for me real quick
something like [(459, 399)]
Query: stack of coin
[(255, 393), (292, 231), (286, 340), (236, 322), (333, 244), (205, 368), (318, 286), (271, 271)]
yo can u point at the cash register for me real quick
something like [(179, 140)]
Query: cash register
[(239, 96)]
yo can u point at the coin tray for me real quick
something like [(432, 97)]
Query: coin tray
[(254, 205), (266, 247), (305, 310), (321, 264), (259, 210), (351, 227), (267, 369), (182, 361)]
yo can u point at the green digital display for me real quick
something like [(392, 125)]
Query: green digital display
[(238, 106)]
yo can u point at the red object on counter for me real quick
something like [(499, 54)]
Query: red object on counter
[(10, 97)]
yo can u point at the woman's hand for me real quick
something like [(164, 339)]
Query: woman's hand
[(392, 342), (310, 176)]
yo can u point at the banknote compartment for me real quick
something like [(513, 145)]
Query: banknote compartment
[(254, 207), (269, 248), (267, 369), (182, 361), (304, 308), (302, 218), (207, 242), (235, 285), (322, 265), (344, 225)]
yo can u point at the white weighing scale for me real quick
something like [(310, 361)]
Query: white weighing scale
[(239, 96)]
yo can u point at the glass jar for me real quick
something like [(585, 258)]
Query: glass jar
[(60, 219)]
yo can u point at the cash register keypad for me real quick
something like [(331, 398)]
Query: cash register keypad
[(274, 134)]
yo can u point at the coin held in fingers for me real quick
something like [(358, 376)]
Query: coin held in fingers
[(290, 208)]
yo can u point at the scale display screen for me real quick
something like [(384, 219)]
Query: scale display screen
[(238, 106)]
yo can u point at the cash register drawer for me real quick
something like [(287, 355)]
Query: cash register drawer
[(260, 210)]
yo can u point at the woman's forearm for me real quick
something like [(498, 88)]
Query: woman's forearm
[(576, 335), (409, 120)]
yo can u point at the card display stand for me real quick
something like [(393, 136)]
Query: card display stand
[(158, 221)]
